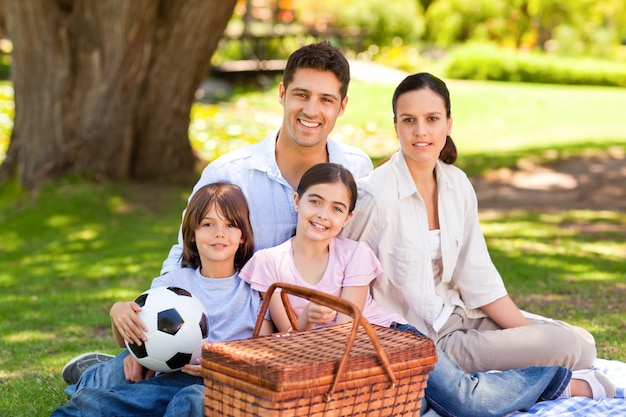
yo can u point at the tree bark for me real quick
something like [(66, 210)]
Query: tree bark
[(105, 87)]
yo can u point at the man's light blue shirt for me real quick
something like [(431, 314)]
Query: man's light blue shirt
[(270, 197)]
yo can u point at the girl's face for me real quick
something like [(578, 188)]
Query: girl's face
[(322, 211), (421, 125), (217, 238)]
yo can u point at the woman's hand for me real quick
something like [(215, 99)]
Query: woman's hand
[(505, 313)]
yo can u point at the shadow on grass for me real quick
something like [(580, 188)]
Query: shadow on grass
[(476, 164)]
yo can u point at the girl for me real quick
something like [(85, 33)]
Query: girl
[(218, 240), (317, 258), (418, 212)]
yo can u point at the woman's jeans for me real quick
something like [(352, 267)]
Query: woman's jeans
[(451, 392), (103, 391)]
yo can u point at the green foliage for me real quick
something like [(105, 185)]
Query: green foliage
[(487, 62), (7, 112), (579, 26), (5, 66), (383, 20), (453, 21)]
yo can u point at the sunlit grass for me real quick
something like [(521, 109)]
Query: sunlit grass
[(554, 267)]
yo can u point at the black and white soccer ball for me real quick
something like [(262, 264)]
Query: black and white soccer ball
[(177, 326)]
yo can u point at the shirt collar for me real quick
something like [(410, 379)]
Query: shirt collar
[(406, 186), (264, 159)]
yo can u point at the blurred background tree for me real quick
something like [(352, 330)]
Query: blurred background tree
[(106, 87)]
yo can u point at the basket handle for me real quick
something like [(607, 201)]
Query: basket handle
[(336, 303)]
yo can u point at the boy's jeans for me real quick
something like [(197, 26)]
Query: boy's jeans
[(103, 391)]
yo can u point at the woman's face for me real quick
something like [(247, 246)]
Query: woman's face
[(421, 125)]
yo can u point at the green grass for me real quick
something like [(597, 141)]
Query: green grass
[(69, 252), (489, 118), (67, 255)]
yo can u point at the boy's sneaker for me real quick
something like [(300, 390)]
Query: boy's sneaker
[(76, 366)]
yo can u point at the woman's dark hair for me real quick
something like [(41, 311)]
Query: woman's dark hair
[(422, 81), (229, 201), (320, 56), (329, 173)]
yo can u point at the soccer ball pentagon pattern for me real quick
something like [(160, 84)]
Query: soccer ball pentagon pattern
[(177, 326)]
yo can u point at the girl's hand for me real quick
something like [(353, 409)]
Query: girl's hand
[(125, 319), (193, 368), (319, 314)]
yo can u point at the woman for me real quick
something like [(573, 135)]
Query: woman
[(418, 212), (317, 258)]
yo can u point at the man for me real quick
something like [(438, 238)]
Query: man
[(313, 94)]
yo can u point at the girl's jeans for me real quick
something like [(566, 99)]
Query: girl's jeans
[(451, 392)]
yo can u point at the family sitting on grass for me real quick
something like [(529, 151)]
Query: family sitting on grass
[(408, 251)]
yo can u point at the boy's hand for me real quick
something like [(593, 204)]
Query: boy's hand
[(134, 371)]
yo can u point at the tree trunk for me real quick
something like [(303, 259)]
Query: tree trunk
[(105, 87)]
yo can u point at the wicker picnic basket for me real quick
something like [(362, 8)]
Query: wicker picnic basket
[(351, 369)]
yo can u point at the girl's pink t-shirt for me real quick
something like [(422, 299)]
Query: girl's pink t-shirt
[(350, 263)]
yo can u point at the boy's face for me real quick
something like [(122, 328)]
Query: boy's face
[(311, 105), (217, 240)]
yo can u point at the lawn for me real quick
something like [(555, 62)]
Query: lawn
[(69, 252)]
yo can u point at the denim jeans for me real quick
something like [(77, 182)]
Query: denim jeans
[(451, 392), (103, 391)]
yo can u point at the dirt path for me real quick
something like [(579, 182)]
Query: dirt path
[(593, 183)]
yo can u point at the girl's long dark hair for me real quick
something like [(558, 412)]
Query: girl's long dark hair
[(329, 173)]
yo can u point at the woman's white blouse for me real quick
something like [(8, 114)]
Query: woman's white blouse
[(391, 217)]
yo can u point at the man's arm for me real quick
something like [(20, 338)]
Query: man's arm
[(172, 262)]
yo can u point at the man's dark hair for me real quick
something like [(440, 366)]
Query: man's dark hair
[(320, 56)]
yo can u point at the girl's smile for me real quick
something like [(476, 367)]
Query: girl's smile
[(323, 210)]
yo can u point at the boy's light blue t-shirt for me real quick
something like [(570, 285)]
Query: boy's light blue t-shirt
[(231, 305)]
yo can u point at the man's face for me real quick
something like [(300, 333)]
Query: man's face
[(311, 103)]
